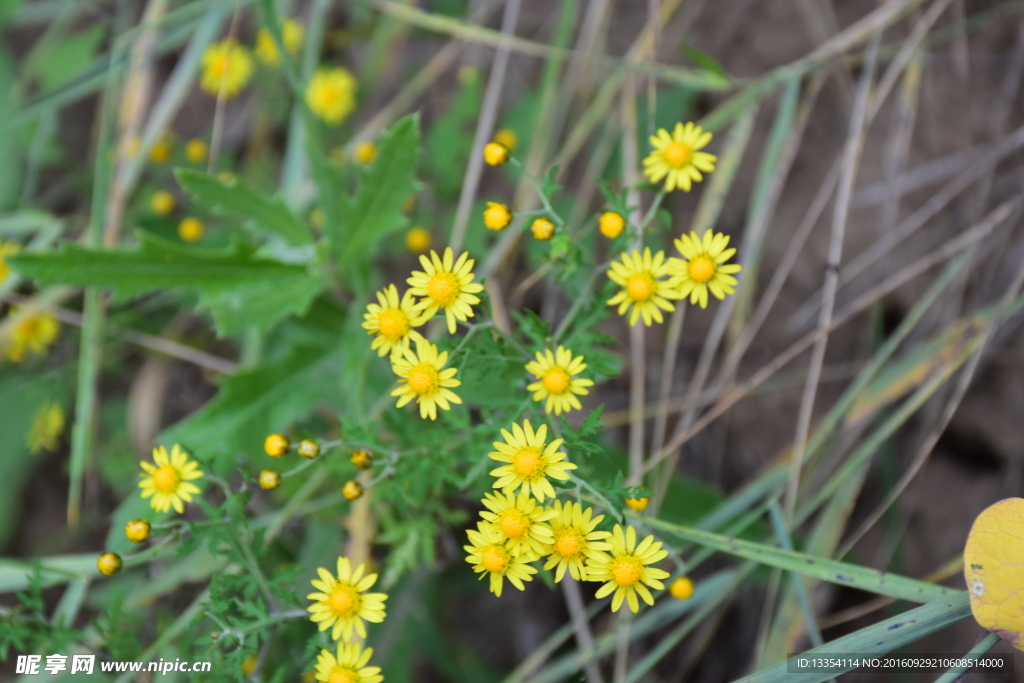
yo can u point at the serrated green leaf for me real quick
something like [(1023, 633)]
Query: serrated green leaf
[(260, 305), (376, 207), (234, 199)]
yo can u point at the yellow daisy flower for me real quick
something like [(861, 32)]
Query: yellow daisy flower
[(167, 479), (348, 666), (446, 286), (229, 62), (7, 249), (703, 267), (162, 203), (32, 334), (393, 321), (292, 33), (196, 150), (365, 152), (488, 555), (531, 460), (675, 157), (191, 229), (343, 602), (417, 240), (626, 569), (331, 94), (574, 540), (642, 287), (520, 521), (557, 383), (424, 378), (46, 428)]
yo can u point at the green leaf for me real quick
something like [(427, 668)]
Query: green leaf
[(877, 639), (706, 61), (235, 200), (268, 398), (833, 571), (260, 305), (376, 207), (69, 56)]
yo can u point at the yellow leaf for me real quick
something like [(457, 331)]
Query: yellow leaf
[(993, 559)]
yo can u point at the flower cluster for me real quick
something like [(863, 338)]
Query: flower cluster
[(342, 605), (516, 529)]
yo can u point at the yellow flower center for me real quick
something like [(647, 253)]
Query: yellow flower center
[(514, 524), (640, 287), (343, 675), (626, 570), (677, 154), (28, 327), (219, 65), (344, 599), (423, 379), (527, 461), (556, 381), (494, 558), (166, 479), (702, 269), (394, 323), (568, 544), (443, 289), (328, 95)]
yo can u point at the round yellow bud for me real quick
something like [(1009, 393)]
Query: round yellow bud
[(362, 459), (195, 151), (507, 137), (496, 154), (190, 229), (249, 665), (352, 489), (275, 445), (366, 152), (108, 563), (681, 588), (160, 152), (611, 224), (308, 449), (542, 228), (269, 480), (637, 503), (162, 203), (497, 216), (417, 240), (137, 530)]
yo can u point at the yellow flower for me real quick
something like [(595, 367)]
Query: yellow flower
[(681, 588), (489, 556), (496, 154), (348, 666), (160, 152), (108, 563), (520, 521), (229, 63), (574, 540), (343, 602), (675, 155), (365, 152), (162, 203), (637, 504), (639, 276), (703, 267), (507, 137), (292, 33), (531, 460), (167, 481), (276, 445), (269, 480), (7, 249), (424, 378), (447, 286), (137, 530), (46, 428), (611, 224), (417, 240), (542, 228), (331, 94), (33, 333), (557, 381), (190, 229), (497, 216), (626, 569), (362, 459), (308, 449), (393, 321), (195, 151), (352, 489)]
